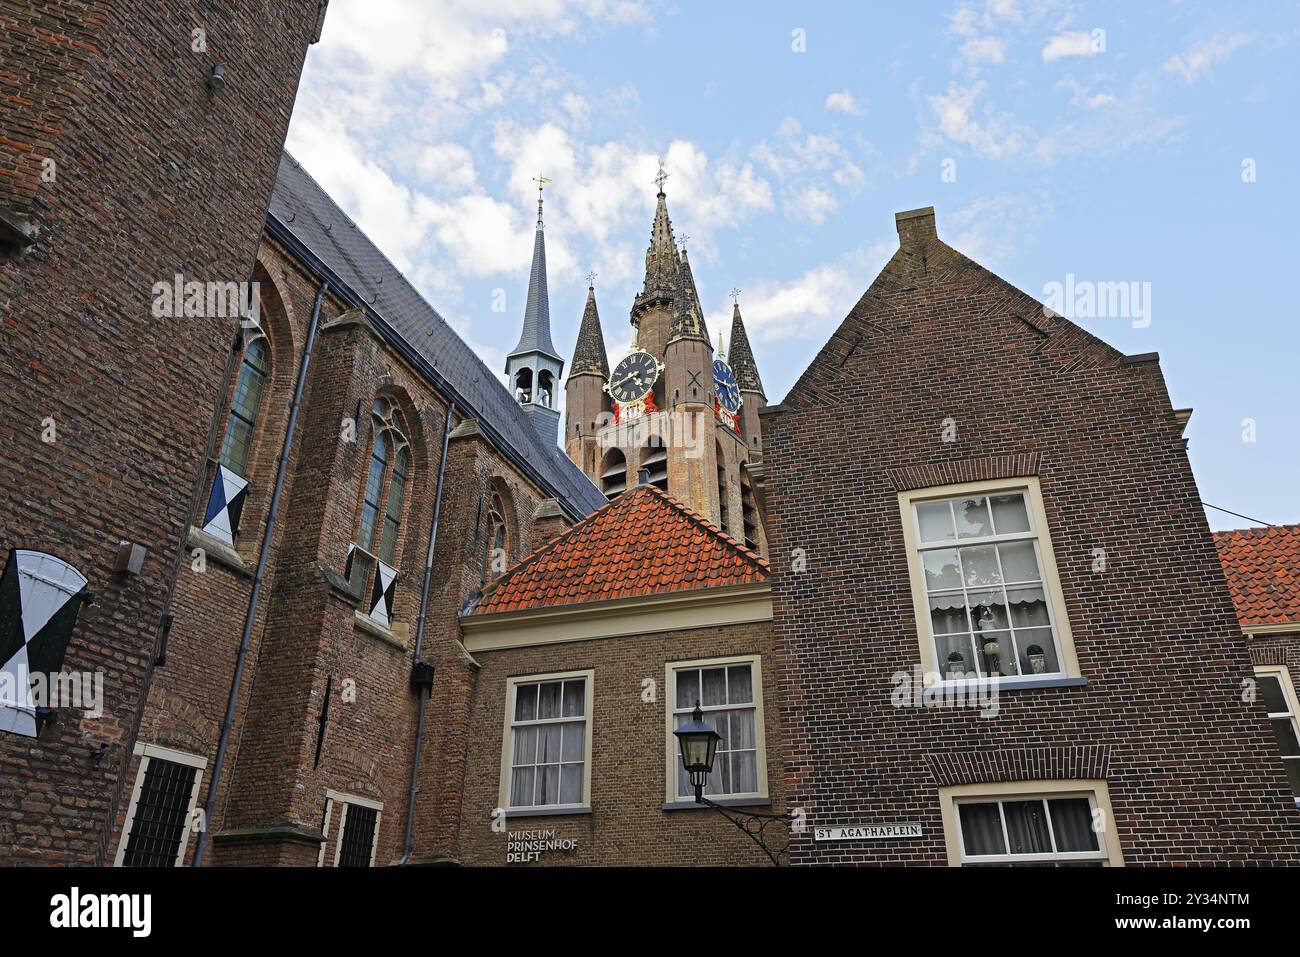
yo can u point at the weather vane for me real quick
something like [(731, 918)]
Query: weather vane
[(541, 181), (662, 176), (591, 278), (683, 240), (735, 296)]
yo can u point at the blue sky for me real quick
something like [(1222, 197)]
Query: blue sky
[(1147, 143)]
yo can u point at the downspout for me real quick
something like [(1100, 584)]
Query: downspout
[(263, 555), (419, 642)]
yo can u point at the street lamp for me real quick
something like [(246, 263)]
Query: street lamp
[(698, 743)]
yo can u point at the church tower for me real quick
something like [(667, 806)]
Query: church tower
[(533, 366), (671, 412)]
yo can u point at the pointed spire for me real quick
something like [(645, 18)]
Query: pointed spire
[(536, 334), (742, 357), (589, 357), (688, 317)]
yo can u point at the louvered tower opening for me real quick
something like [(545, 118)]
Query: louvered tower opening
[(654, 459), (613, 473), (749, 512), (724, 517)]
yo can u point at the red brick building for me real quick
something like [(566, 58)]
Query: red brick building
[(1262, 566), (997, 604), (139, 148), (590, 652), (353, 605)]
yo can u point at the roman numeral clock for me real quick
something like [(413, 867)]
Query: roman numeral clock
[(726, 395), (631, 384)]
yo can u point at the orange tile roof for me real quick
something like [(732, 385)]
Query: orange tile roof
[(1263, 570), (643, 543)]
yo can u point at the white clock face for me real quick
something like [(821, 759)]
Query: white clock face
[(633, 377)]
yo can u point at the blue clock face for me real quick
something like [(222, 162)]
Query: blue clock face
[(724, 380)]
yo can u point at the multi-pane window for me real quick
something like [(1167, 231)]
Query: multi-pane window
[(548, 744), (386, 479), (728, 697), (987, 602), (158, 819), (393, 513), (1280, 702), (494, 543), (237, 444), (357, 843), (1039, 831)]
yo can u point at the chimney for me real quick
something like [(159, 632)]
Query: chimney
[(549, 520), (916, 228)]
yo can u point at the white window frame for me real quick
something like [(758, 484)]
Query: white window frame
[(508, 741), (1096, 791), (146, 752), (338, 797), (1051, 582), (1283, 675), (672, 752)]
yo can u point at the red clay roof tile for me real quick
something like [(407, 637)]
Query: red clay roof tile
[(1262, 566), (645, 542)]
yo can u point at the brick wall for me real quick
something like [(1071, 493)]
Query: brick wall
[(627, 825), (152, 176), (1190, 765), (307, 636)]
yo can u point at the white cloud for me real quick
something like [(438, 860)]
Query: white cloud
[(810, 305), (843, 101), (1191, 64), (995, 136), (388, 212), (983, 50), (448, 166), (811, 205), (1073, 43)]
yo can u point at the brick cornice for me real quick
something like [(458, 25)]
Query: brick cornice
[(960, 471), (1074, 762)]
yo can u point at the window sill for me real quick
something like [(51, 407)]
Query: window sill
[(373, 628), (217, 550), (1010, 684), (547, 811), (725, 802)]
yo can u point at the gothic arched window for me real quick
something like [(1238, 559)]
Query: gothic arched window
[(237, 445), (386, 481), (495, 542)]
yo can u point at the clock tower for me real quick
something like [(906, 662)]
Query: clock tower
[(672, 411)]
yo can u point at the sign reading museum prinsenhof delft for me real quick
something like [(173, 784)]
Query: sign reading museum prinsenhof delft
[(867, 832), (525, 846)]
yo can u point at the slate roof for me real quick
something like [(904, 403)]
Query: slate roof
[(536, 334), (644, 542), (741, 357), (589, 356), (302, 207), (1262, 566)]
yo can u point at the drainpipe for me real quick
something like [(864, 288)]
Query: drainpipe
[(419, 642), (259, 576)]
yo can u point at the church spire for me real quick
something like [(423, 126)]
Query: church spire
[(533, 366), (589, 357), (536, 334), (661, 262), (741, 356), (688, 317)]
